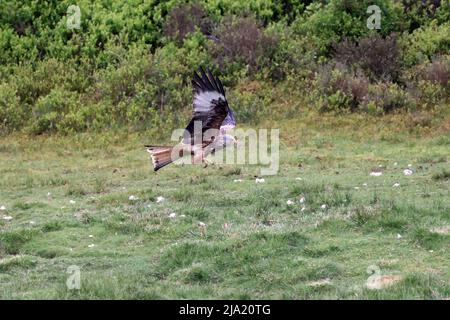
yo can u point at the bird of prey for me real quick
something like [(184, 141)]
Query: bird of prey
[(207, 129)]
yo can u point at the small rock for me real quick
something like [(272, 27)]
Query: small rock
[(182, 216), (2, 208), (133, 198), (160, 199), (324, 206), (364, 184), (7, 218), (91, 245), (289, 202), (303, 209), (237, 180), (260, 180), (399, 236), (91, 236), (172, 215), (302, 199), (298, 179), (395, 185), (72, 201), (376, 173), (407, 172), (201, 224)]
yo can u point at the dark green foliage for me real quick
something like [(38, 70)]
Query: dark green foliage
[(130, 62)]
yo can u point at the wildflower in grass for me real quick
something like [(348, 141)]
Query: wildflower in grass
[(72, 201), (289, 202), (407, 172), (395, 185), (202, 227), (182, 215), (395, 163), (32, 222), (133, 198), (399, 236), (303, 209), (2, 208), (160, 199), (302, 199), (91, 236), (237, 180), (7, 218), (410, 165), (356, 188), (172, 215), (298, 179), (91, 245), (376, 173), (364, 184), (324, 206), (49, 194), (260, 180)]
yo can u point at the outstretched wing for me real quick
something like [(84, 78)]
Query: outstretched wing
[(210, 107)]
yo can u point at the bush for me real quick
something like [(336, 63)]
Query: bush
[(378, 57), (438, 72), (338, 19), (388, 97), (56, 111), (187, 19), (341, 89), (425, 43), (242, 42), (12, 113), (420, 13)]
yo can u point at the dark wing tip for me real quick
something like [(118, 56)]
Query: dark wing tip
[(205, 81)]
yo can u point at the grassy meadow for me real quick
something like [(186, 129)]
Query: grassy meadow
[(67, 202)]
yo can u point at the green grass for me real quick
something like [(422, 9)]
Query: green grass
[(268, 249)]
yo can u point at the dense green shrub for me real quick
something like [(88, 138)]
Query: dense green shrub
[(12, 113), (329, 23), (425, 43)]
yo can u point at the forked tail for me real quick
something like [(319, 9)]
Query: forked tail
[(161, 156)]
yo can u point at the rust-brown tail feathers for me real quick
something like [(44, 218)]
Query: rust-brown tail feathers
[(161, 156)]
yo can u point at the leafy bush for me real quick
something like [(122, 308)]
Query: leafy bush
[(187, 19), (338, 19), (377, 56), (341, 89), (388, 97), (56, 111), (11, 111), (425, 43), (242, 42), (419, 13), (438, 72)]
